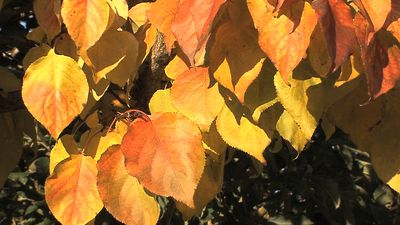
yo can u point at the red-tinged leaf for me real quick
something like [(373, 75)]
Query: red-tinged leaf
[(122, 194), (283, 4), (380, 55), (55, 91), (71, 192), (161, 14), (45, 13), (193, 96), (375, 11), (86, 20), (336, 22), (166, 155), (192, 24), (285, 39)]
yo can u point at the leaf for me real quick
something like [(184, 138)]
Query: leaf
[(96, 142), (376, 12), (351, 69), (166, 155), (161, 15), (380, 55), (318, 54), (239, 132), (118, 64), (11, 141), (176, 67), (71, 192), (394, 183), (210, 185), (47, 17), (138, 15), (286, 38), (64, 45), (146, 37), (86, 20), (336, 21), (37, 35), (296, 101), (120, 12), (372, 127), (122, 194), (57, 98), (235, 56), (192, 24), (62, 150), (290, 131), (194, 96), (8, 80), (34, 54), (161, 102), (213, 143)]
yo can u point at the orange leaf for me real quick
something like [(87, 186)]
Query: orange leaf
[(71, 192), (166, 155), (285, 39), (55, 91), (193, 96), (380, 55), (192, 24), (122, 194), (161, 14), (283, 4), (47, 18), (376, 11), (336, 22), (86, 20)]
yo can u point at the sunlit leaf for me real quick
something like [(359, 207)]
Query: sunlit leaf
[(138, 15), (62, 150), (192, 24), (166, 155), (86, 20), (377, 12), (239, 132), (290, 131), (71, 192), (286, 38), (161, 102), (122, 194), (161, 15), (193, 95), (55, 90)]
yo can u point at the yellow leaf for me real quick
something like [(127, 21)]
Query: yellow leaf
[(64, 147), (318, 53), (138, 15), (193, 95), (120, 10), (86, 20), (122, 194), (351, 69), (394, 182), (71, 192), (146, 37), (291, 132), (161, 102), (118, 64), (239, 132), (296, 101), (55, 90), (176, 67)]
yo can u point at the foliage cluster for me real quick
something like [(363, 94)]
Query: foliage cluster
[(247, 74)]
